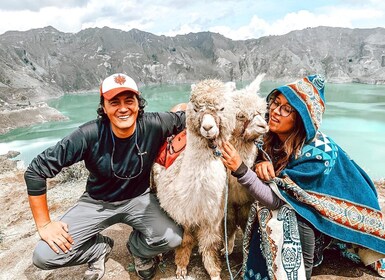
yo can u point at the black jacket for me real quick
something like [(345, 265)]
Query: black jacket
[(93, 143)]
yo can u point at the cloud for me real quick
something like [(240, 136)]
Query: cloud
[(150, 16), (34, 5), (73, 19), (255, 29), (238, 20), (336, 17), (56, 17)]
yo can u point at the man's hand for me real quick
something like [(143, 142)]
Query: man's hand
[(55, 234), (230, 156), (265, 170)]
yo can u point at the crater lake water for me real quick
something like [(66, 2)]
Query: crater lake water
[(354, 118)]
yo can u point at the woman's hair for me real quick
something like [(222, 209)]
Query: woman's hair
[(101, 115), (281, 153)]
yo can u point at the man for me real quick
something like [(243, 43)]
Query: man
[(118, 149)]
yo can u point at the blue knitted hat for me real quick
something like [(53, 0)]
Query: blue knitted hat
[(306, 96)]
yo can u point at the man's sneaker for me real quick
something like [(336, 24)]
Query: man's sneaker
[(96, 269), (145, 268)]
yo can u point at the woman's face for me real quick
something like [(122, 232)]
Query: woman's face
[(281, 117)]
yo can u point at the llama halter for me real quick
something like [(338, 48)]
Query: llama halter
[(214, 147), (259, 143)]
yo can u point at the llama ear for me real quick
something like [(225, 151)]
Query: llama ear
[(193, 86), (255, 85), (230, 86)]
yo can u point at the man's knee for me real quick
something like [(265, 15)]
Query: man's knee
[(168, 233), (174, 238), (169, 240), (43, 256), (39, 259)]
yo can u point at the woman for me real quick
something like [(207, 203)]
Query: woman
[(313, 192)]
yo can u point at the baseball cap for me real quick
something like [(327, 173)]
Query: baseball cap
[(117, 83)]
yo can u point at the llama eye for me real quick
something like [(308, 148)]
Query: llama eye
[(222, 109), (241, 117)]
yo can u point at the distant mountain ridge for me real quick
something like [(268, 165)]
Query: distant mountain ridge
[(43, 63)]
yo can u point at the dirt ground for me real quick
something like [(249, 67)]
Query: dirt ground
[(18, 237)]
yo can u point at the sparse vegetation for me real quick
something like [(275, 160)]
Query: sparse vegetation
[(380, 183), (154, 58), (73, 173), (4, 79)]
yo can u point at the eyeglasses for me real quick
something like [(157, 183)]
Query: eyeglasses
[(140, 154), (284, 110)]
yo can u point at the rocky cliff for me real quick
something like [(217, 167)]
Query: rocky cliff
[(44, 63)]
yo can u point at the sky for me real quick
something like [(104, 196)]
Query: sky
[(235, 19)]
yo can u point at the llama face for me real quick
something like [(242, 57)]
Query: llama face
[(205, 120), (250, 112), (255, 128), (209, 112), (209, 127)]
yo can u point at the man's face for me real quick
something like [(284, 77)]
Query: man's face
[(122, 110)]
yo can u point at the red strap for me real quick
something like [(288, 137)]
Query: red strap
[(171, 149)]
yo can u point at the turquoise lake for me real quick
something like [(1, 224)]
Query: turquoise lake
[(354, 118)]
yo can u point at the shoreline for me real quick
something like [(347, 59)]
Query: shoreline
[(24, 116), (12, 115), (20, 141)]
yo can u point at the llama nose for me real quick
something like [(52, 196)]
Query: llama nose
[(207, 127)]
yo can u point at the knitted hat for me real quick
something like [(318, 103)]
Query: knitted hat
[(117, 83), (306, 96)]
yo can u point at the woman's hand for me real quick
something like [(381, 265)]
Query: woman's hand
[(230, 156), (265, 170), (55, 234)]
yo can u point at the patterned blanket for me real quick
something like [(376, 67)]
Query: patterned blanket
[(325, 187), (274, 237)]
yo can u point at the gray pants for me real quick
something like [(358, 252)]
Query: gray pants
[(307, 236), (154, 231)]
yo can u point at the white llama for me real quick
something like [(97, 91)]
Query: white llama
[(250, 125), (192, 189)]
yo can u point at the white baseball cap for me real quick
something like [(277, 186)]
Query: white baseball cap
[(117, 83)]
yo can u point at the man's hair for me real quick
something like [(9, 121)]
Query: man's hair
[(142, 103), (282, 153)]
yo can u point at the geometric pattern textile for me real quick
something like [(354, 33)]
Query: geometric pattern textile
[(323, 149), (276, 251), (349, 214)]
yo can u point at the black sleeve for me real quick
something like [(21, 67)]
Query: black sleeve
[(241, 171), (172, 123), (50, 162)]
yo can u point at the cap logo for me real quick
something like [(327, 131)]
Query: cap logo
[(120, 80)]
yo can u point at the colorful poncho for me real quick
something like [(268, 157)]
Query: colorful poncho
[(328, 189)]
